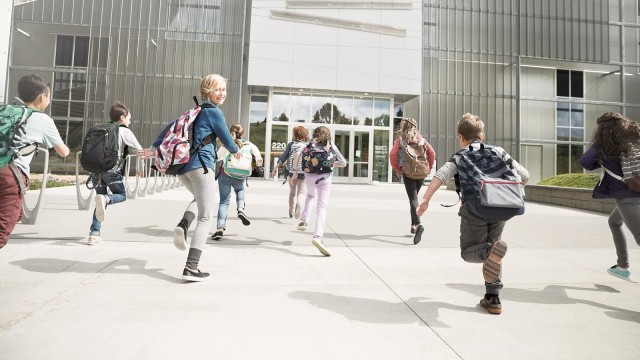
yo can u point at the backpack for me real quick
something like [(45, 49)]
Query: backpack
[(295, 148), (317, 161), (100, 148), (239, 168), (12, 118), (176, 148), (415, 165), (487, 184)]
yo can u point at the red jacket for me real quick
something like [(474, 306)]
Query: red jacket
[(395, 155)]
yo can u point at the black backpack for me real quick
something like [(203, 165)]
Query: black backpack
[(100, 148)]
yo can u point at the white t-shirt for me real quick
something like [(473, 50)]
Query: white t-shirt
[(126, 137), (40, 128)]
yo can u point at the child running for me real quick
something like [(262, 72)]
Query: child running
[(318, 159), (297, 186), (227, 182), (480, 240)]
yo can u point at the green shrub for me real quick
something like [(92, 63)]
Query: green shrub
[(583, 181)]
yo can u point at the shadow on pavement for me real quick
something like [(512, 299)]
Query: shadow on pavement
[(556, 294), (55, 266), (378, 311), (59, 241)]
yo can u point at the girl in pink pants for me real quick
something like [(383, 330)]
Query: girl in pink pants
[(318, 159)]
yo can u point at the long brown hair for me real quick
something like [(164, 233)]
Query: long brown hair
[(615, 135), (322, 135), (408, 130), (237, 131)]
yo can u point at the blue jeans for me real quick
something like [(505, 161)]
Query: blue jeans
[(112, 180), (225, 183)]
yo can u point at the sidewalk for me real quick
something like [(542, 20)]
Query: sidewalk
[(273, 296)]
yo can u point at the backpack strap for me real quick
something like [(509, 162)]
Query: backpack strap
[(207, 140)]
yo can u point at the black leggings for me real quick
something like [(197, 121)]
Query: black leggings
[(412, 186)]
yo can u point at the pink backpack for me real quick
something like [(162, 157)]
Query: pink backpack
[(176, 148)]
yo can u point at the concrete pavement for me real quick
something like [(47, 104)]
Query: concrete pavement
[(273, 296)]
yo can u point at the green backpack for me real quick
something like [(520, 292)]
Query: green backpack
[(12, 118)]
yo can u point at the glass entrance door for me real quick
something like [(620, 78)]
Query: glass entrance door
[(354, 145)]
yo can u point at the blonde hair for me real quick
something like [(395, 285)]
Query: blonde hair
[(209, 83), (408, 129), (471, 127)]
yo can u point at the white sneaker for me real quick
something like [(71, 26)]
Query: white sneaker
[(101, 206), (180, 238), (93, 239), (317, 242)]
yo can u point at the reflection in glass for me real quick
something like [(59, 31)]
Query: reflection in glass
[(363, 111), (577, 134), (577, 118), (280, 106), (258, 120), (278, 142), (341, 141), (380, 155), (562, 134), (562, 159), (381, 112), (59, 108), (300, 108), (343, 110), (321, 109), (563, 117), (576, 153)]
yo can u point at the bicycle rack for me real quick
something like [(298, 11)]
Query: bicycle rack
[(83, 204), (29, 216), (131, 194)]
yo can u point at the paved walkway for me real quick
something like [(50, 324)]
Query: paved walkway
[(273, 296)]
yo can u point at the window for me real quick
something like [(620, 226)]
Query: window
[(569, 83), (381, 112), (258, 120), (194, 20), (569, 121), (569, 127)]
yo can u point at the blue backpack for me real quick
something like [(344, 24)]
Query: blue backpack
[(487, 184)]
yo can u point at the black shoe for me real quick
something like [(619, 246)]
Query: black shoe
[(244, 218), (217, 235), (418, 236), (492, 305), (413, 230), (197, 275)]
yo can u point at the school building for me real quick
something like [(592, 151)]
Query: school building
[(538, 72)]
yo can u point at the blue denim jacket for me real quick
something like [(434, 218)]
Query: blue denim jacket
[(608, 187), (210, 119)]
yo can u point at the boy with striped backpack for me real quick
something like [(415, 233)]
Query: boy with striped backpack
[(490, 182)]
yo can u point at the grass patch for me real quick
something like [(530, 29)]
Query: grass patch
[(583, 181), (36, 184)]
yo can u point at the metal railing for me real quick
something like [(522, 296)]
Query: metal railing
[(29, 216), (147, 181)]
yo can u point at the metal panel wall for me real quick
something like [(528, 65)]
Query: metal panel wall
[(473, 50), (157, 52)]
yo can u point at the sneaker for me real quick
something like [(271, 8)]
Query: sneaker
[(101, 206), (217, 235), (93, 239), (317, 242), (297, 210), (244, 218), (418, 236), (413, 230), (302, 226), (617, 271), (492, 305), (180, 238), (194, 275), (492, 266)]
